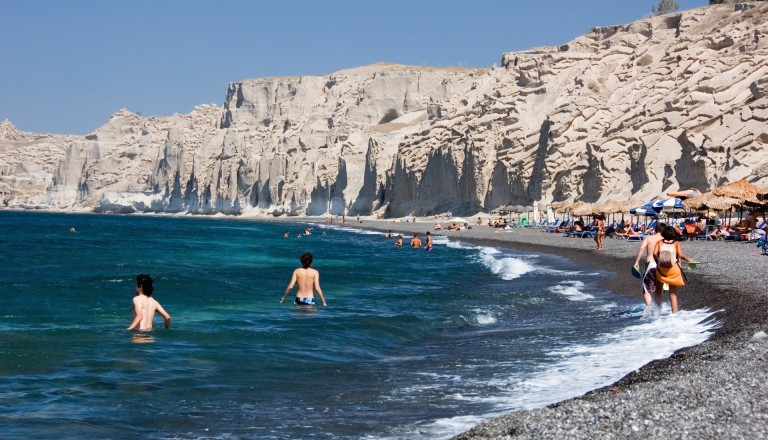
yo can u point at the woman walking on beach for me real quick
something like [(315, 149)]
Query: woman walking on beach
[(669, 272), (599, 231)]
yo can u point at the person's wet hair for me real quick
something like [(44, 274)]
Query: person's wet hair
[(306, 260), (669, 233), (145, 282), (660, 226)]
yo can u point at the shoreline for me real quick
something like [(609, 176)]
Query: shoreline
[(717, 389)]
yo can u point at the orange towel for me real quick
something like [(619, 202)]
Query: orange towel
[(670, 275)]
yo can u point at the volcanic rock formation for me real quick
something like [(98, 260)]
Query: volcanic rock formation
[(627, 111)]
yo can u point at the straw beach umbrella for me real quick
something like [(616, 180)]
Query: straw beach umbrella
[(563, 206), (611, 207), (720, 203), (762, 195), (742, 190), (698, 203), (583, 208)]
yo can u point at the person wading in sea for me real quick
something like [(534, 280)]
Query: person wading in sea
[(308, 281), (144, 306)]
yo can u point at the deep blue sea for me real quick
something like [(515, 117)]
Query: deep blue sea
[(413, 344)]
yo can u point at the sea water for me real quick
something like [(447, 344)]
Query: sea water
[(413, 344)]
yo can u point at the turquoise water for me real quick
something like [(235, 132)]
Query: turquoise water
[(411, 345)]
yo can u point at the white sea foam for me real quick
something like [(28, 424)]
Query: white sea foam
[(441, 240), (460, 245), (509, 267), (505, 266), (348, 229), (484, 317), (606, 307), (585, 367), (571, 290)]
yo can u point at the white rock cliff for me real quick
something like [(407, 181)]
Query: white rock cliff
[(629, 111)]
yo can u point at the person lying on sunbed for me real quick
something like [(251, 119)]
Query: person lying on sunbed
[(577, 227), (718, 233), (629, 231)]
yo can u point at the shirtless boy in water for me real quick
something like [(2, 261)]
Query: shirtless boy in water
[(144, 306), (308, 280)]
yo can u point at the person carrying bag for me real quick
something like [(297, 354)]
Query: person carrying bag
[(669, 272)]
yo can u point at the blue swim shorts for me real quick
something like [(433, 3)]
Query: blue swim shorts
[(304, 301)]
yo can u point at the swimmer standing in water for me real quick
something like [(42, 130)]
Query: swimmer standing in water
[(144, 306), (308, 280)]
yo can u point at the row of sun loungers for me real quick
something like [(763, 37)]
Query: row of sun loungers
[(567, 228)]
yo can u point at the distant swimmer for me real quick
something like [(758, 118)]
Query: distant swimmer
[(428, 248), (308, 281), (399, 241), (286, 234), (415, 241), (144, 306), (72, 230)]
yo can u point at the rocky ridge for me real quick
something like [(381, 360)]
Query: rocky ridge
[(627, 111)]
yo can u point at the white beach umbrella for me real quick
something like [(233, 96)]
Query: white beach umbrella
[(536, 213), (646, 209), (669, 205), (550, 215)]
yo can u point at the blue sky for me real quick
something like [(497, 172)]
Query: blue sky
[(65, 66)]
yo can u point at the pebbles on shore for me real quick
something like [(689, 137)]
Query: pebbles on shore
[(717, 390)]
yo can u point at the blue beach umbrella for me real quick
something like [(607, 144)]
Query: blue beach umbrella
[(668, 205), (646, 209)]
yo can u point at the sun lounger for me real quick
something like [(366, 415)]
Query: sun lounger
[(707, 233), (557, 227)]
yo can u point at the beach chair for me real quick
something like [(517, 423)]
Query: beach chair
[(638, 237), (765, 247), (556, 226), (539, 225), (706, 234), (571, 233)]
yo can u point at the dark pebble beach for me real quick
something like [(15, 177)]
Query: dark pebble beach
[(715, 390)]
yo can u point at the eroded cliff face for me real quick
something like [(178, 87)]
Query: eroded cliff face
[(628, 111), (27, 164)]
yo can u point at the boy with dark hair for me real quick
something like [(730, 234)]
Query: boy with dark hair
[(144, 306), (308, 281)]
